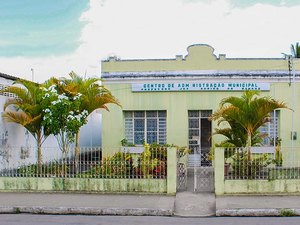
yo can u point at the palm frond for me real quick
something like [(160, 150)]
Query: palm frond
[(245, 115)]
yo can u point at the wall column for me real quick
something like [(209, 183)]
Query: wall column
[(171, 170), (219, 171)]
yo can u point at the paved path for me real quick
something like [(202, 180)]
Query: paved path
[(189, 204)]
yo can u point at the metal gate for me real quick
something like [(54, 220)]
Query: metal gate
[(182, 171), (202, 172), (204, 179), (196, 178), (194, 171), (200, 166)]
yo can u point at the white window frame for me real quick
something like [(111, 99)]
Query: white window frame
[(268, 129), (161, 126)]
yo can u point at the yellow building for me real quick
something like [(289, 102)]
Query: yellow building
[(170, 100)]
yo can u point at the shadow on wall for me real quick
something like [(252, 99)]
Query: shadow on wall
[(90, 134)]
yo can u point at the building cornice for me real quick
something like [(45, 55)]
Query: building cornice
[(199, 74)]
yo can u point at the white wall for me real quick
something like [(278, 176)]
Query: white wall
[(17, 145), (90, 133)]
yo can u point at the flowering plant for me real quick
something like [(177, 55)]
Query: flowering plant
[(62, 115)]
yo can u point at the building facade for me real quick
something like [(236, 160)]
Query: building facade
[(170, 100)]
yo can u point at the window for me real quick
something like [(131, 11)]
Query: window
[(149, 126), (7, 94), (270, 129)]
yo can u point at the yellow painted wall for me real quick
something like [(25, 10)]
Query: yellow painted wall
[(177, 104), (199, 57)]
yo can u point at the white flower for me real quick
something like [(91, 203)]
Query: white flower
[(46, 96), (84, 113), (52, 88), (77, 96), (70, 117), (62, 97)]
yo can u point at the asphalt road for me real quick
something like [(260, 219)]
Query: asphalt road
[(27, 219)]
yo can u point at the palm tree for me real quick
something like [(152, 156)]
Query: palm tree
[(295, 50), (25, 109), (237, 137), (94, 96), (246, 114)]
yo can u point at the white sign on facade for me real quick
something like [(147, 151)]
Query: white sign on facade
[(200, 86)]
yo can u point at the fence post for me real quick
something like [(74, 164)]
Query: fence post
[(171, 170), (219, 171)]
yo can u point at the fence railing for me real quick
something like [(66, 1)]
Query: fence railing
[(261, 163), (88, 163)]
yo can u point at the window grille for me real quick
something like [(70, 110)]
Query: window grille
[(149, 126), (270, 129)]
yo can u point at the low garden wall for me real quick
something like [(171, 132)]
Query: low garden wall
[(276, 185), (162, 180), (83, 184), (261, 186)]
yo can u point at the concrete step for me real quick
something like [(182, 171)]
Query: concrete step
[(190, 204)]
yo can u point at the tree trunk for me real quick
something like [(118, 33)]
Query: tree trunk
[(39, 151), (77, 151), (249, 145)]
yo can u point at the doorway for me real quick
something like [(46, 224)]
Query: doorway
[(200, 171), (199, 137)]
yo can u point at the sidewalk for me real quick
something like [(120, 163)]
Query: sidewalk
[(187, 204), (90, 204), (258, 205)]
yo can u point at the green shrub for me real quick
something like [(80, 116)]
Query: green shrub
[(149, 164), (55, 168), (278, 156), (245, 168)]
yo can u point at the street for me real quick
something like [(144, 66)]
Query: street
[(28, 219)]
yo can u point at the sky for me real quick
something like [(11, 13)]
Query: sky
[(41, 39)]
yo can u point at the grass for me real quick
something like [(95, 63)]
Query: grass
[(287, 212)]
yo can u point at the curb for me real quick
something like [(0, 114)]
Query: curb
[(258, 212), (86, 211)]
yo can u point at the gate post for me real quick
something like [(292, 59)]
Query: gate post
[(219, 171), (171, 170)]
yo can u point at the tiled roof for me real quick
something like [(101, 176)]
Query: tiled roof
[(8, 76)]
